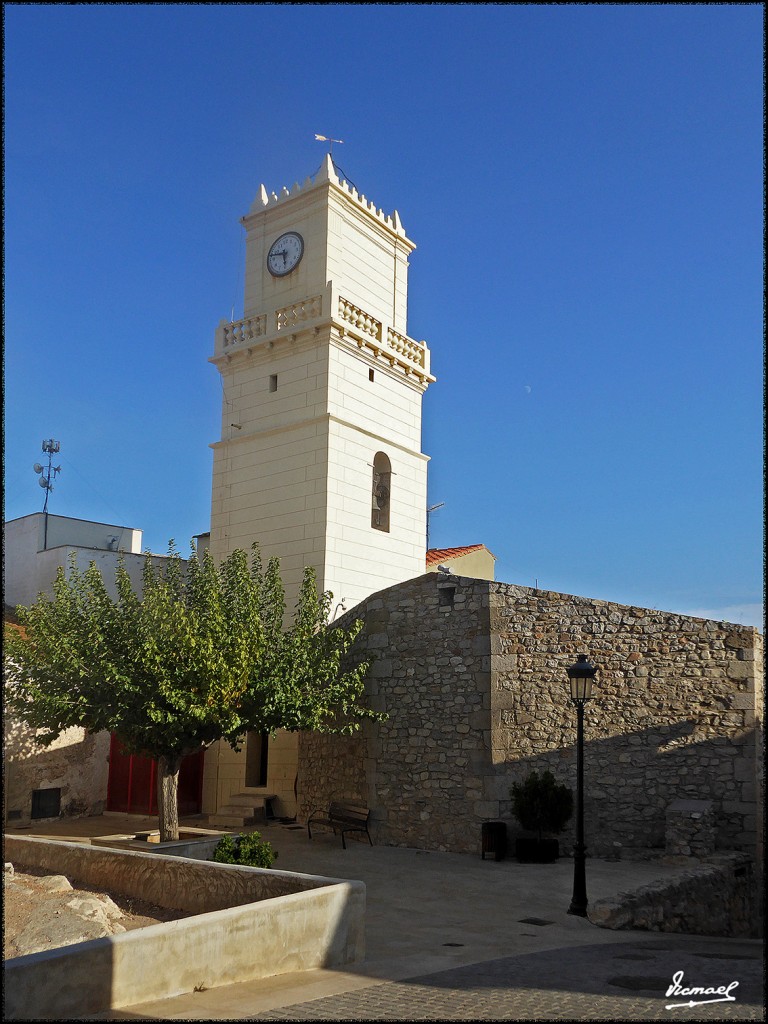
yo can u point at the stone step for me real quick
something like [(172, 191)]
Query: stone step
[(248, 800), (224, 820)]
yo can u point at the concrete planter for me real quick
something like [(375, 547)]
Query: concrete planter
[(249, 923)]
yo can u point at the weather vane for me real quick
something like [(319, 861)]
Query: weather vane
[(324, 138)]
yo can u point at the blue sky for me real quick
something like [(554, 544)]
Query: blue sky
[(584, 186)]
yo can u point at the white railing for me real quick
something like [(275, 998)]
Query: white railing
[(405, 346), (359, 318), (245, 330), (412, 355), (299, 312), (390, 340)]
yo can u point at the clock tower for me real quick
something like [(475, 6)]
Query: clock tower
[(320, 454)]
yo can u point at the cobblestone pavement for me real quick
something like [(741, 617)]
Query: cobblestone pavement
[(599, 982)]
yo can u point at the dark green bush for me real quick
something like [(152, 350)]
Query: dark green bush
[(247, 848), (541, 805)]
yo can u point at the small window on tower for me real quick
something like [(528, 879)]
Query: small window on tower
[(382, 475), (273, 382), (370, 375)]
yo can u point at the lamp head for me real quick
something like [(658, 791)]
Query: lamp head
[(580, 677)]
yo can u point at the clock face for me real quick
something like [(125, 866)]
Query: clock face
[(285, 253)]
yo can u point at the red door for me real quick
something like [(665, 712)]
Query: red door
[(132, 787)]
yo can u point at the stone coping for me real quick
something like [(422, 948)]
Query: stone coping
[(249, 923)]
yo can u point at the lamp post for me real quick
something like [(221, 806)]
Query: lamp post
[(580, 677)]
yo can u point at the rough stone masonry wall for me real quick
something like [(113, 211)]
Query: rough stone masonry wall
[(421, 771), (713, 898), (472, 676), (676, 713)]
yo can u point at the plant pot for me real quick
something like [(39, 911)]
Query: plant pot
[(530, 850)]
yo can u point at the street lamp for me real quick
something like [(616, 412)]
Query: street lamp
[(580, 677)]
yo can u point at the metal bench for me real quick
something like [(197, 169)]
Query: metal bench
[(341, 817)]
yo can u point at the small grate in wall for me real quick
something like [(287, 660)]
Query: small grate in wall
[(46, 803), (14, 815)]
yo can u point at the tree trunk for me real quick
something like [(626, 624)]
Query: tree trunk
[(168, 797)]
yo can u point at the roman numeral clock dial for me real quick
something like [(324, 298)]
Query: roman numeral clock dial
[(285, 254)]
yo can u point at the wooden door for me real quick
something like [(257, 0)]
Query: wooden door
[(132, 786)]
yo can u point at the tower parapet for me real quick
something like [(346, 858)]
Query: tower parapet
[(326, 174)]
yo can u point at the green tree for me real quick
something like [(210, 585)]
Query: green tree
[(201, 656)]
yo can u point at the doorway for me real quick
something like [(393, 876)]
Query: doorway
[(256, 759)]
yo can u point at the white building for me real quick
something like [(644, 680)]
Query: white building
[(37, 545)]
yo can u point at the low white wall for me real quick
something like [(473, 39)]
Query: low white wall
[(242, 931)]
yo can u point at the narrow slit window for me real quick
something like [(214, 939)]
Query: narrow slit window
[(380, 492), (273, 382), (370, 375)]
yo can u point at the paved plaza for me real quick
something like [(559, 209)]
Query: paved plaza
[(456, 937)]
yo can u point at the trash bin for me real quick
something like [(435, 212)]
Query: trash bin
[(494, 839)]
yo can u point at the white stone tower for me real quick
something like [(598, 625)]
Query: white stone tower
[(320, 454), (320, 458)]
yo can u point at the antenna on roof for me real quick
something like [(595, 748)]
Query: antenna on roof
[(46, 476), (430, 510)]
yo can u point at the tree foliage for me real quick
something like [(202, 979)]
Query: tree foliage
[(201, 656)]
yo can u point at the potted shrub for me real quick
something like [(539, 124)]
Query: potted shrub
[(543, 806)]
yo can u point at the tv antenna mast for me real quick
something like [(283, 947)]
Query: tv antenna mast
[(430, 510), (46, 476)]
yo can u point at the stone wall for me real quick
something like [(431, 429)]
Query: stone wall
[(675, 714), (420, 771), (76, 763), (716, 898), (472, 676)]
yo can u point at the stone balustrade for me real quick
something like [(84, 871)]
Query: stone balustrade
[(406, 346), (392, 344), (358, 318), (298, 312), (412, 356), (245, 330)]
